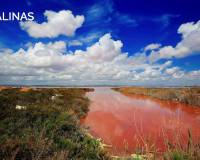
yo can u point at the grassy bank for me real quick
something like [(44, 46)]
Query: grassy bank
[(44, 124), (174, 151), (189, 95)]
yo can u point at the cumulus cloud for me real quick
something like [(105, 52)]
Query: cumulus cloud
[(104, 50), (189, 45), (175, 72), (102, 63), (58, 23)]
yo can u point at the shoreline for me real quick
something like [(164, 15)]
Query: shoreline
[(185, 95)]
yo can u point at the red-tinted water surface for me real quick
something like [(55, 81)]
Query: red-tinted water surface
[(128, 122)]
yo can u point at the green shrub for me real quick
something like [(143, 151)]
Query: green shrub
[(46, 128)]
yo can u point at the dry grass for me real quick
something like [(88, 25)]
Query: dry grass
[(25, 89), (181, 148), (3, 87), (187, 95), (175, 150)]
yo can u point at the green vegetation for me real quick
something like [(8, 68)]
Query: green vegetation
[(189, 95), (178, 152), (44, 124), (174, 151)]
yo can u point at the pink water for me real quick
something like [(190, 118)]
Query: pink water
[(128, 123)]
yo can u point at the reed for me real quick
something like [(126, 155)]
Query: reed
[(177, 146), (187, 95)]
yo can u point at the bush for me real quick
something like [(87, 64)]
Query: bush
[(45, 127)]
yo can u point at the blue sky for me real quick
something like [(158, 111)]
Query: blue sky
[(136, 24)]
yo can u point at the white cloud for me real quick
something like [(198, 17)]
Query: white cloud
[(58, 23), (189, 45), (90, 37), (104, 50), (102, 63), (87, 39), (152, 46), (172, 70), (175, 72), (186, 28), (194, 74)]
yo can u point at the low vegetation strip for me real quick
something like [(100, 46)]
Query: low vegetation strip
[(187, 95), (44, 124)]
